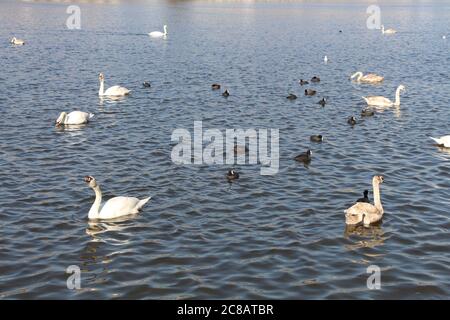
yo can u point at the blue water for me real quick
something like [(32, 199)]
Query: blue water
[(280, 236)]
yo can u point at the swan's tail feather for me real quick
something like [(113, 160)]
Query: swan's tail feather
[(367, 100), (438, 141), (91, 115), (142, 202)]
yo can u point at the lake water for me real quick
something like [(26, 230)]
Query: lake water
[(280, 236)]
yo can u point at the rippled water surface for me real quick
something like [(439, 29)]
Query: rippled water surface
[(280, 236)]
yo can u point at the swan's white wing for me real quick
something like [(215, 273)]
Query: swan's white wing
[(445, 141), (371, 77), (437, 140), (119, 206), (353, 215), (156, 34), (362, 207), (116, 91), (378, 101), (77, 117), (18, 42), (142, 202)]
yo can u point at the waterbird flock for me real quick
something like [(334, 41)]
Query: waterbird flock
[(362, 212)]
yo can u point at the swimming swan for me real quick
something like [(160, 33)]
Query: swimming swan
[(443, 141), (113, 91), (368, 78), (17, 42), (159, 34), (114, 207), (387, 31), (75, 117), (385, 102), (365, 212)]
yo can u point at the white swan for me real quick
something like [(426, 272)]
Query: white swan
[(113, 91), (442, 141), (75, 117), (325, 59), (387, 31), (17, 42), (114, 207), (368, 78), (159, 34), (365, 212), (385, 102)]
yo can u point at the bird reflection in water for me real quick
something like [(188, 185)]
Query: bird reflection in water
[(71, 127), (96, 256), (394, 109), (98, 227), (372, 236)]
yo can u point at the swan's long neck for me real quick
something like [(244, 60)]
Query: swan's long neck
[(102, 88), (358, 75), (397, 97), (95, 209), (376, 196), (382, 29)]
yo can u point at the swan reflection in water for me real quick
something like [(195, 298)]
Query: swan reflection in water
[(111, 99), (97, 254), (396, 110), (73, 131), (442, 149), (372, 236), (71, 127), (98, 227)]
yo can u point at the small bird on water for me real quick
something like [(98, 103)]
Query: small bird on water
[(291, 96), (305, 157), (351, 121), (232, 175), (316, 138), (322, 102), (226, 93), (303, 82), (367, 113), (365, 198)]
